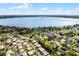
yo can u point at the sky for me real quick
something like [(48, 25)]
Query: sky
[(39, 8)]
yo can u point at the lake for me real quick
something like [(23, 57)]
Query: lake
[(38, 21)]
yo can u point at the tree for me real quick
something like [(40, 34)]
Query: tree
[(3, 53), (71, 53)]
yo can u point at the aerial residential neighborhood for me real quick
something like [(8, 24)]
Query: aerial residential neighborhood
[(39, 29), (48, 41)]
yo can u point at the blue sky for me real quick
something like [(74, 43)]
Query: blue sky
[(55, 5), (42, 5), (39, 8)]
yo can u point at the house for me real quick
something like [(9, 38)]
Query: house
[(28, 45), (14, 43), (19, 44), (76, 49), (8, 52), (18, 41), (9, 35), (14, 39), (63, 40), (45, 53), (34, 41), (25, 43), (9, 41), (77, 39), (21, 50), (2, 46), (20, 47), (60, 51), (29, 48), (45, 37), (24, 54), (41, 49), (27, 38), (49, 34), (59, 36), (31, 52), (38, 45), (40, 37), (67, 42), (22, 37)]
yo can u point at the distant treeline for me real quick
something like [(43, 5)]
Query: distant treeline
[(17, 16), (23, 30)]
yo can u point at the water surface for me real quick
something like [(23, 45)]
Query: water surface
[(38, 21)]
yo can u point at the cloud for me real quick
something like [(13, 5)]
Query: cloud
[(25, 8), (21, 6), (45, 9)]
